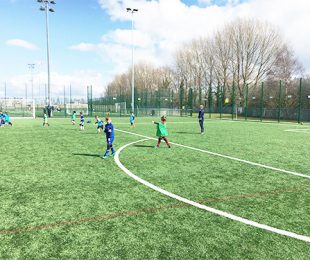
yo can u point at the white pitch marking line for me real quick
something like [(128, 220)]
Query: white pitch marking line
[(225, 156), (198, 205), (300, 130)]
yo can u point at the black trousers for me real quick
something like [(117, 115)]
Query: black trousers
[(201, 126)]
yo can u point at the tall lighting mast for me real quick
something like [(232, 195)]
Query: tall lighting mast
[(45, 7)]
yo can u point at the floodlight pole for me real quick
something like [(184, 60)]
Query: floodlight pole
[(47, 9), (132, 11), (48, 56)]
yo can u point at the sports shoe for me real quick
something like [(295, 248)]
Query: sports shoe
[(112, 154), (105, 156)]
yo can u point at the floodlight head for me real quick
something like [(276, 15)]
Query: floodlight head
[(39, 1), (42, 8), (51, 10), (128, 9), (135, 10), (52, 2)]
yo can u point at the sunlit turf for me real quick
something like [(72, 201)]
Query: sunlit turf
[(59, 199)]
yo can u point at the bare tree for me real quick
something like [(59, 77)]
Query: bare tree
[(244, 52)]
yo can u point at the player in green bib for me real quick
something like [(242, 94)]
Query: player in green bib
[(162, 132), (73, 117)]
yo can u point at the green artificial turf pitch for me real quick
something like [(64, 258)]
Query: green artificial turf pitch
[(61, 200)]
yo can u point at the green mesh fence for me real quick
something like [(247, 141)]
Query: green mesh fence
[(270, 100)]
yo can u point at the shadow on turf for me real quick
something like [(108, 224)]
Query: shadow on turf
[(87, 154), (188, 133), (142, 145)]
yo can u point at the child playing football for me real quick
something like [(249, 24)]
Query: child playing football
[(132, 120), (109, 132), (45, 120), (73, 117), (99, 124), (81, 121), (2, 123), (7, 119), (162, 132)]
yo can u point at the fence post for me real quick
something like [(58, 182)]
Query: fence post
[(70, 100), (233, 101), (246, 100), (210, 100), (145, 103), (65, 101), (262, 103), (300, 101), (221, 101), (88, 99), (279, 101), (190, 101), (91, 100), (158, 101), (181, 97)]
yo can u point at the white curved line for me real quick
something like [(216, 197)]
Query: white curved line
[(224, 156), (198, 205)]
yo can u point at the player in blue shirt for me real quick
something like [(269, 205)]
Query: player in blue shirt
[(1, 119), (81, 121), (99, 124), (132, 120), (7, 119), (109, 132), (201, 118)]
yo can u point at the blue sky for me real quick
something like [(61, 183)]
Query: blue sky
[(90, 39), (73, 22)]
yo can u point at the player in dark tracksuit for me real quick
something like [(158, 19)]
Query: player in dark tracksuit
[(109, 132), (201, 118)]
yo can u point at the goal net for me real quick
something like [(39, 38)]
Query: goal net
[(121, 108), (18, 107)]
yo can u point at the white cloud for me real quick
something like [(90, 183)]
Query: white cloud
[(161, 25), (84, 47), (141, 39), (22, 44)]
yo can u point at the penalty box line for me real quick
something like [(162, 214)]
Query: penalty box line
[(201, 206), (224, 156)]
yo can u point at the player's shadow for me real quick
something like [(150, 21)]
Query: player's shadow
[(143, 145), (187, 133), (87, 154)]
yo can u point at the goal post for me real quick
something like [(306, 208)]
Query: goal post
[(121, 108), (18, 107)]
